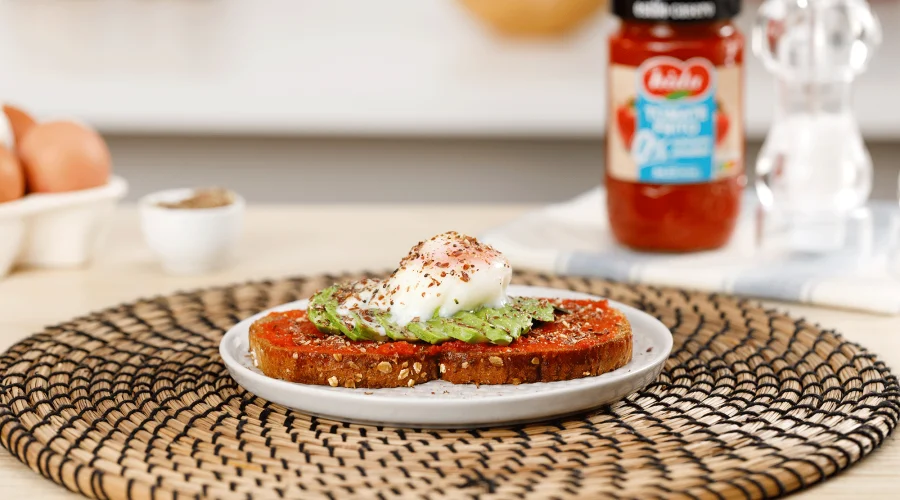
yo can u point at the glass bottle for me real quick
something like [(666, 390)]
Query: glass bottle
[(814, 173)]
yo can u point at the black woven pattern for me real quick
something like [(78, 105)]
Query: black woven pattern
[(133, 402)]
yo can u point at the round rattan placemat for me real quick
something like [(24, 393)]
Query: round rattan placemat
[(133, 402)]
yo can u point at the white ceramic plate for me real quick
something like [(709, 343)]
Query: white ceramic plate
[(446, 405)]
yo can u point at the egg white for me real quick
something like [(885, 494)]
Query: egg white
[(440, 277)]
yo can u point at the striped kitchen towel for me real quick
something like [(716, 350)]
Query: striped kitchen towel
[(572, 238)]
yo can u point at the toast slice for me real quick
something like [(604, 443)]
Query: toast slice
[(587, 338)]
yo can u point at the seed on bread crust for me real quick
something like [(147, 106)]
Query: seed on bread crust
[(403, 374), (411, 382), (465, 364), (385, 367), (443, 368), (337, 356), (417, 367), (333, 381), (495, 360), (535, 361)]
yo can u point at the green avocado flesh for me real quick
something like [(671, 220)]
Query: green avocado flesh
[(486, 325)]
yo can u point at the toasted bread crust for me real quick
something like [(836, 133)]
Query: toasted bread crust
[(544, 355)]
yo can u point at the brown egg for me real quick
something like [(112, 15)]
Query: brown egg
[(12, 179), (19, 121), (63, 156)]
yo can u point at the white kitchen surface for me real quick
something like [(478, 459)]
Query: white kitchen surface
[(337, 67)]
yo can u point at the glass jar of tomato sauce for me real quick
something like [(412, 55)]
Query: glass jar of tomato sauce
[(675, 138)]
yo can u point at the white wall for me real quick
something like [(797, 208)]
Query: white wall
[(347, 84), (339, 67)]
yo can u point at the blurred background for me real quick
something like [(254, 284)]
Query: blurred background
[(337, 101)]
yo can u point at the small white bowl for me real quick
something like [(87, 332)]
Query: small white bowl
[(191, 240)]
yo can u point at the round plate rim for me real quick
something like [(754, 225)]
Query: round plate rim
[(339, 395)]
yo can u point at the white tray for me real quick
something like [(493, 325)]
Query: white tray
[(59, 229)]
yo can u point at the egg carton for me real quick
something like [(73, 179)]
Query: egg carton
[(57, 230)]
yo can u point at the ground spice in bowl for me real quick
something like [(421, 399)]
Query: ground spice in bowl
[(202, 198)]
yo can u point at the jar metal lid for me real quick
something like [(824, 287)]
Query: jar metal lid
[(676, 11)]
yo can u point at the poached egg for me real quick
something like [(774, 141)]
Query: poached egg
[(441, 276)]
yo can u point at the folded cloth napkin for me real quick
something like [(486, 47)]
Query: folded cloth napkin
[(572, 238)]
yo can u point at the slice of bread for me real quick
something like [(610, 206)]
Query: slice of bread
[(589, 339)]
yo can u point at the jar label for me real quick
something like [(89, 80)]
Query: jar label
[(674, 122)]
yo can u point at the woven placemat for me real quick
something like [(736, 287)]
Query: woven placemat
[(133, 402)]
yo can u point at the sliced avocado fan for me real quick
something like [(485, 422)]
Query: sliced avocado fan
[(499, 326)]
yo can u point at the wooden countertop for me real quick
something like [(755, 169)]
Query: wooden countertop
[(289, 240)]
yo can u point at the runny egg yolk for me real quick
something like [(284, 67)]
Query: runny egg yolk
[(442, 276)]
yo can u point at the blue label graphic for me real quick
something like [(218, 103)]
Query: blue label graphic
[(675, 137)]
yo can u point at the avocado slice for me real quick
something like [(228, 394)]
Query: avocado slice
[(423, 331), (316, 311), (335, 325), (393, 331), (507, 320), (510, 324), (461, 332), (319, 318), (495, 335), (365, 330), (538, 309)]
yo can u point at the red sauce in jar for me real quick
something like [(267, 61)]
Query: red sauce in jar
[(675, 139)]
